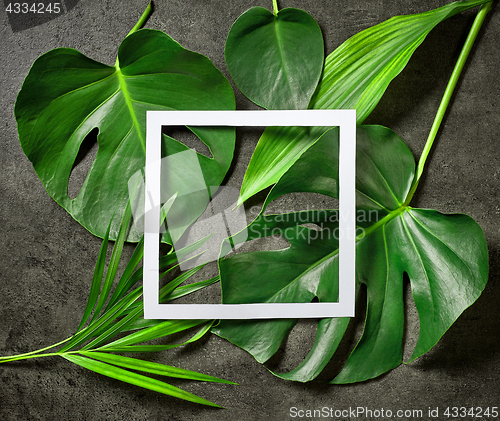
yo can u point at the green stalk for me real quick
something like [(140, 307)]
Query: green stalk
[(26, 356), (32, 354), (138, 25), (466, 49), (142, 19), (275, 7)]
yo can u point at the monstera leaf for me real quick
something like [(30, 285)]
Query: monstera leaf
[(445, 257), (67, 95), (275, 59), (355, 76)]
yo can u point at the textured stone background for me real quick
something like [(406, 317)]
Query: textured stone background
[(47, 259)]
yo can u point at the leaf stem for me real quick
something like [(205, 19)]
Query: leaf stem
[(142, 19), (32, 354), (466, 49), (275, 7), (381, 222), (26, 357), (138, 25)]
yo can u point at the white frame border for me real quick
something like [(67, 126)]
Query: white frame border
[(345, 120)]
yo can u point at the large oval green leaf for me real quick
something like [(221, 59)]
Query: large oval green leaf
[(66, 95), (275, 60), (445, 257), (356, 76)]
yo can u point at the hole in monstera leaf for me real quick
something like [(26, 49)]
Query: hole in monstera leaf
[(314, 227), (295, 202), (349, 339), (412, 321), (273, 242), (83, 163), (184, 135), (294, 348)]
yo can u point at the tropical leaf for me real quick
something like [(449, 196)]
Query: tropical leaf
[(67, 95), (275, 59), (91, 345), (96, 280), (135, 379), (155, 348), (355, 76), (445, 257), (115, 259), (152, 367)]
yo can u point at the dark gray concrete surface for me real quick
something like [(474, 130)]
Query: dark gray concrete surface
[(47, 259)]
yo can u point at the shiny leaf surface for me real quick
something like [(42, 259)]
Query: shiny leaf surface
[(275, 60), (445, 257), (135, 379), (66, 95), (355, 76)]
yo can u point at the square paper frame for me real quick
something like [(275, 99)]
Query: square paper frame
[(345, 120)]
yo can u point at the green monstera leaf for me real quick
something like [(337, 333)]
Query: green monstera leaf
[(67, 95), (275, 59), (355, 76), (445, 257)]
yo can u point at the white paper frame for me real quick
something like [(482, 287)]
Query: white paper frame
[(345, 120)]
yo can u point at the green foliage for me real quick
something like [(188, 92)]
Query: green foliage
[(121, 328), (355, 76), (445, 257), (66, 95), (275, 60)]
